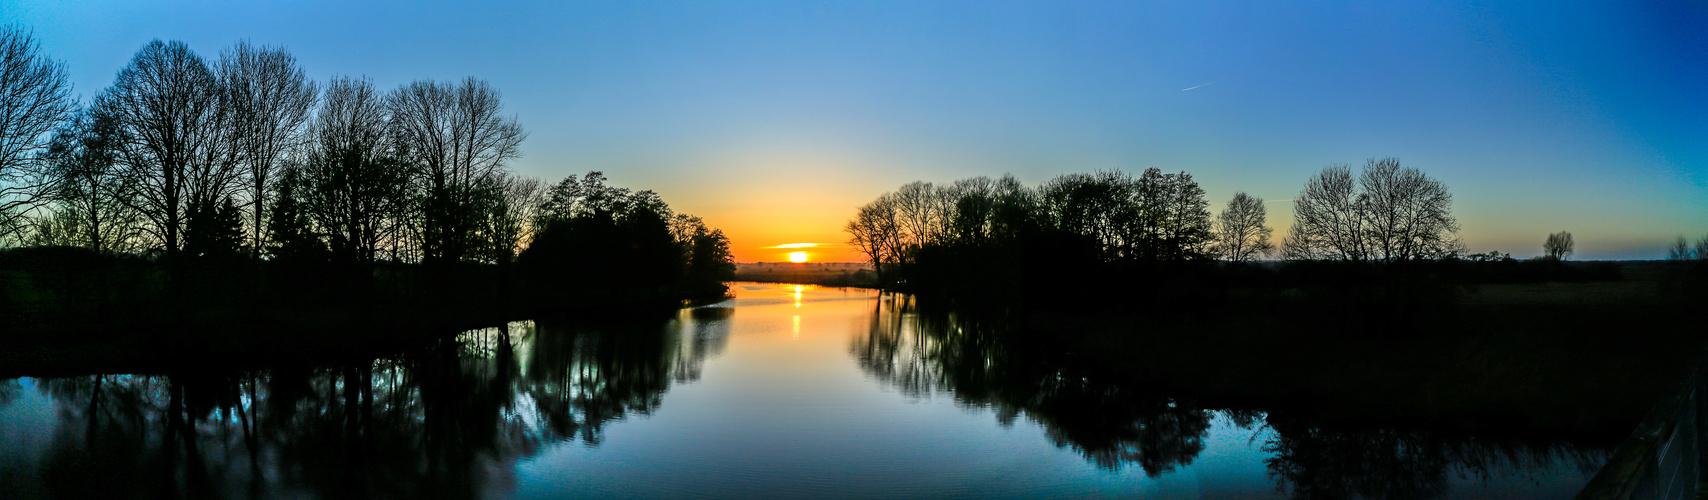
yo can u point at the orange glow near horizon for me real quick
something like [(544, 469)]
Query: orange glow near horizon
[(797, 257), (778, 198)]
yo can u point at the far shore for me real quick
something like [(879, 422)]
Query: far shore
[(851, 274)]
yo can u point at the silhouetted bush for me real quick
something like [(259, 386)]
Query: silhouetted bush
[(599, 259)]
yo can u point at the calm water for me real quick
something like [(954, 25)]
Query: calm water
[(784, 391)]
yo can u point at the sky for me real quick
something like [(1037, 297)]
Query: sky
[(774, 121)]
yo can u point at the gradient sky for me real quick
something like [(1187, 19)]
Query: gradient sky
[(774, 120)]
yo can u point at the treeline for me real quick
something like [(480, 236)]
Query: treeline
[(990, 236), (1382, 233), (206, 167)]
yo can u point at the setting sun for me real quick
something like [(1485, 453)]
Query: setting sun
[(797, 256)]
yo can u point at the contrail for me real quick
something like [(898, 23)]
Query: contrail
[(1195, 86)]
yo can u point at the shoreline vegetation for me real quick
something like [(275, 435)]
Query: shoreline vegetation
[(231, 208), (1369, 312)]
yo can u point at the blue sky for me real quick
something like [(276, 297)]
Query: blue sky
[(774, 120)]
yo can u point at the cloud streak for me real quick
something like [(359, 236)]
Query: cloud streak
[(1196, 86)]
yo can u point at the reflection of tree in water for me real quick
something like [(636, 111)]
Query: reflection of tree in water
[(1310, 461), (105, 456), (8, 391), (442, 420), (706, 335), (975, 359), (978, 360)]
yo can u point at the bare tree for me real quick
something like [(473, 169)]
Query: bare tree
[(166, 103), (1328, 219), (456, 138), (916, 203), (1681, 249), (1241, 230), (1558, 246), (92, 196), (512, 210), (1409, 214), (35, 96), (1391, 213), (268, 98), (877, 231), (354, 188)]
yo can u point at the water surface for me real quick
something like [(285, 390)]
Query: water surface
[(783, 391)]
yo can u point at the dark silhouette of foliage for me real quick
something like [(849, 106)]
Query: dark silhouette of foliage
[(214, 231), (997, 238), (291, 237), (626, 244), (709, 261)]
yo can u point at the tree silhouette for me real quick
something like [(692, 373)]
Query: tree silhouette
[(35, 97), (1391, 213), (166, 104), (1558, 246), (876, 231), (353, 187), (1681, 250), (512, 206), (291, 237), (214, 230), (455, 138), (268, 99), (1241, 233), (627, 243), (92, 196)]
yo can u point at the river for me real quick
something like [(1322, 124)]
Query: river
[(783, 391)]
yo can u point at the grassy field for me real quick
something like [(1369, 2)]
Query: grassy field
[(1643, 283)]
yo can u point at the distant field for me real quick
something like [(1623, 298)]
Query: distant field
[(817, 273), (1617, 292), (1642, 282)]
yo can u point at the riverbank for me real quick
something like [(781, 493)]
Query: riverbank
[(1549, 369), (165, 342), (68, 311), (1585, 359)]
